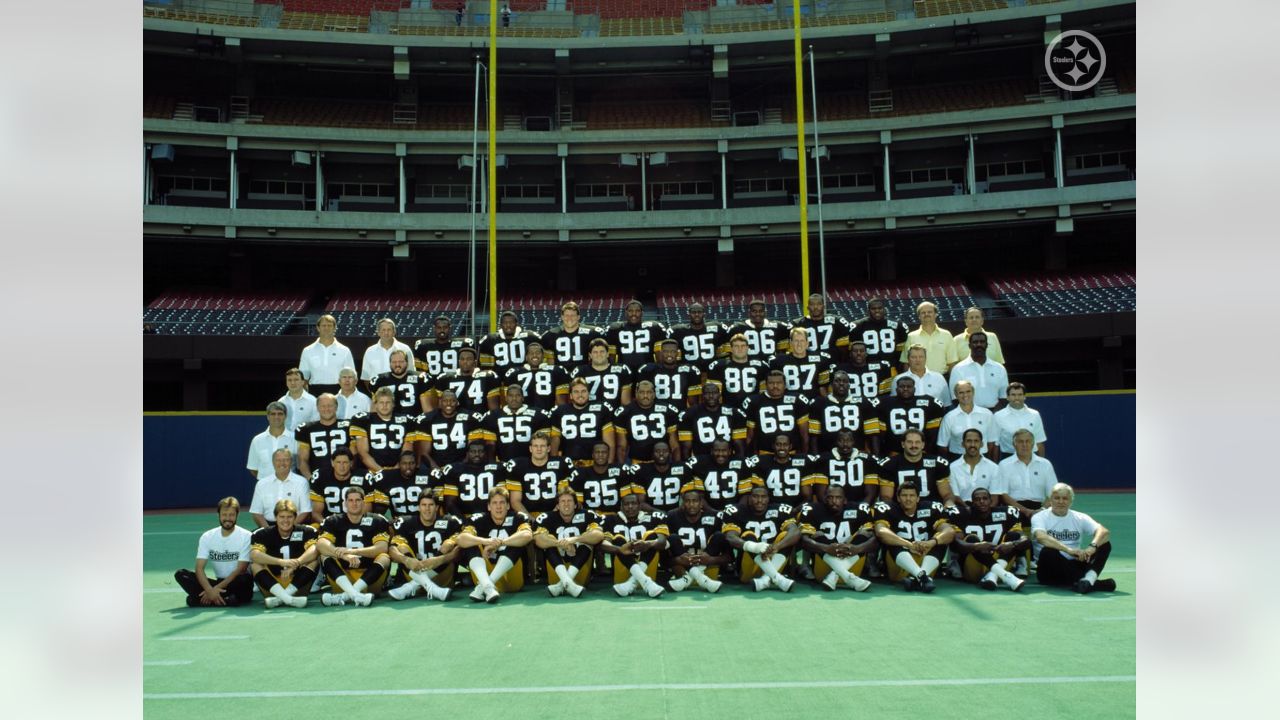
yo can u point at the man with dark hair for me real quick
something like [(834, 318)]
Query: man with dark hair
[(867, 378), (642, 424), (915, 536), (1017, 416), (300, 405), (568, 535), (600, 482), (930, 473), (776, 412), (402, 487), (847, 467), (357, 540), (788, 478), (989, 536), (739, 375), (443, 434), (424, 550), (676, 383), (507, 348), (697, 544), (762, 531), (699, 343), (545, 385), (827, 334), (323, 359), (631, 342), (884, 339), (412, 390), (534, 479), (903, 411), (634, 537), (711, 420), (607, 382), (840, 537), (567, 345), (383, 434), (291, 548), (841, 410), (439, 354), (659, 482), (224, 550), (328, 483), (492, 545), (508, 430), (477, 390), (718, 475), (989, 378), (579, 424), (763, 336), (467, 484)]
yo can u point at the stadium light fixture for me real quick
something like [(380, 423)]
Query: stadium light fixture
[(186, 228), (658, 158), (929, 218), (764, 228), (439, 233), (1022, 212), (271, 231), (362, 233), (525, 234), (1106, 206), (629, 159), (602, 233), (788, 153)]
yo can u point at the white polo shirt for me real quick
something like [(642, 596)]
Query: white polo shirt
[(349, 407), (1075, 529), (299, 410), (931, 384), (1009, 421), (1026, 481), (377, 360), (264, 445), (955, 422), (221, 554), (964, 479), (320, 364), (990, 381), (271, 490)]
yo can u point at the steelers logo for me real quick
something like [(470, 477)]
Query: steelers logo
[(1075, 60)]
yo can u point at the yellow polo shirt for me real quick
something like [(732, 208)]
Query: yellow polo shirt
[(994, 352), (940, 349)]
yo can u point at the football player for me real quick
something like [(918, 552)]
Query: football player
[(703, 424), (847, 467), (718, 475), (697, 545), (789, 479), (545, 385), (762, 531), (634, 537), (411, 389), (492, 544), (362, 554), (677, 383), (425, 551), (291, 548), (327, 483), (988, 536), (507, 431), (658, 482), (828, 334), (532, 481), (640, 425), (867, 378), (775, 413), (841, 538), (383, 434), (631, 341), (568, 536), (607, 382), (841, 410), (763, 335), (905, 411), (440, 353), (600, 482), (884, 339), (915, 535), (477, 390), (318, 439), (506, 348), (467, 484), (698, 342), (806, 373), (443, 433), (739, 375), (930, 473), (403, 486), (567, 345), (579, 424)]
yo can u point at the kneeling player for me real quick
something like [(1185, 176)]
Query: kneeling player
[(762, 532), (493, 543), (634, 538), (990, 536), (425, 551), (840, 537), (697, 544), (292, 549), (364, 551), (567, 535), (915, 536)]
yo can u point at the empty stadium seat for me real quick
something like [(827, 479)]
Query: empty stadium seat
[(198, 313), (1075, 294)]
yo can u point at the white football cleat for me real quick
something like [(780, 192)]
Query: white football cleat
[(624, 589), (333, 599), (680, 584), (271, 601), (762, 583)]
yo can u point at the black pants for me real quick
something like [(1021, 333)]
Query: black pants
[(580, 557), (237, 592), (989, 558), (1054, 569)]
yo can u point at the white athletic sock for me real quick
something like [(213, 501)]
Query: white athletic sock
[(769, 567), (500, 568), (904, 560), (639, 572), (360, 585), (479, 572), (840, 566), (1091, 577), (565, 575), (292, 589), (930, 564), (348, 589), (279, 591), (699, 576), (999, 569), (423, 578)]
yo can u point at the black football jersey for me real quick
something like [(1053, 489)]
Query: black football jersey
[(433, 357), (691, 535), (701, 426), (855, 473), (537, 485), (738, 381), (917, 527), (582, 521), (326, 489), (661, 486), (387, 438), (672, 384), (599, 491), (423, 540), (367, 532), (402, 492), (408, 389), (541, 385), (321, 440), (448, 436), (604, 385), (700, 346), (783, 478), (469, 483), (482, 524), (633, 345), (885, 340), (764, 526), (806, 375), (830, 415), (500, 353), (827, 335), (291, 547), (510, 432), (474, 391), (569, 349), (992, 527), (645, 427), (771, 417), (926, 473), (719, 482), (871, 379), (818, 520), (762, 342), (622, 530), (581, 428), (896, 416)]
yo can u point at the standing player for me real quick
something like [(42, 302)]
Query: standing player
[(440, 353), (915, 535), (568, 536), (353, 545), (545, 385), (931, 474), (425, 552), (320, 438), (411, 390), (775, 413), (634, 537), (761, 531), (703, 424), (659, 482), (883, 338), (989, 536), (492, 544), (607, 382), (640, 425), (443, 433), (840, 537), (477, 390), (905, 411), (225, 549), (383, 434), (289, 547), (846, 467), (507, 431), (467, 484), (533, 481), (841, 410), (579, 424), (678, 384), (568, 344), (631, 342), (506, 348), (828, 334), (867, 378), (1061, 532), (806, 373), (718, 475), (763, 335), (697, 544), (698, 342), (740, 376), (789, 478)]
